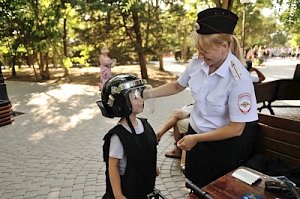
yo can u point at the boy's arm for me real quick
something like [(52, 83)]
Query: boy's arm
[(114, 176)]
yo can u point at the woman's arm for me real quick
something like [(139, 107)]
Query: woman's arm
[(114, 176), (163, 90), (233, 129)]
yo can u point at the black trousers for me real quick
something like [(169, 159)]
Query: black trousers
[(207, 161)]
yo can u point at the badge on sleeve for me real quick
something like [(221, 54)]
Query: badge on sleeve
[(244, 101)]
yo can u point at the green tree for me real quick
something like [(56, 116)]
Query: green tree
[(291, 19)]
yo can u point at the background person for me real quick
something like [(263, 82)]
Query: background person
[(106, 63), (218, 139), (179, 121), (129, 148), (256, 75)]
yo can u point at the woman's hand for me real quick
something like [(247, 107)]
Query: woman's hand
[(187, 142)]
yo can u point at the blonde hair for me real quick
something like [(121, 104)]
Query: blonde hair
[(212, 41)]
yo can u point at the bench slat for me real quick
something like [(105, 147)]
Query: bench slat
[(280, 147), (285, 136), (278, 122), (280, 138), (287, 159)]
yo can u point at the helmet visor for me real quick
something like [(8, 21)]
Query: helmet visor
[(135, 96), (149, 104)]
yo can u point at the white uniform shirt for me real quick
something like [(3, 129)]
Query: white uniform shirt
[(220, 97), (116, 149)]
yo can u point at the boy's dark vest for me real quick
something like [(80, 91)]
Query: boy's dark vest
[(140, 150)]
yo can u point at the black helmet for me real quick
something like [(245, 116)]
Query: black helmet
[(115, 101)]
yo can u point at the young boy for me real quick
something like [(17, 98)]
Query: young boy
[(129, 148)]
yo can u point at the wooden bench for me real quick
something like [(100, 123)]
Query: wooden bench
[(283, 89), (280, 138)]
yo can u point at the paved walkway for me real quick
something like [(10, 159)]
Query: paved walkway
[(53, 150)]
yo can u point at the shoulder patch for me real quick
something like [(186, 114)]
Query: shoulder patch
[(237, 75), (244, 101)]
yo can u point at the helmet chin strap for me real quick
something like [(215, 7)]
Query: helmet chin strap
[(130, 124), (134, 132)]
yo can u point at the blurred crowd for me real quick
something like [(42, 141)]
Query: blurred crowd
[(259, 54)]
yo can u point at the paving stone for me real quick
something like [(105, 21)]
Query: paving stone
[(54, 150)]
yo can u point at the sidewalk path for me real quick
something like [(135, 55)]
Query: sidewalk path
[(53, 150)]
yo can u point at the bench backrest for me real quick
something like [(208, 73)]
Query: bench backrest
[(282, 89), (265, 91), (297, 72), (280, 137), (288, 89)]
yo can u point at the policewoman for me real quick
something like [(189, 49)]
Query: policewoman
[(222, 127)]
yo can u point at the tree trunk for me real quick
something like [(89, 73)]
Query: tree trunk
[(30, 63), (225, 4), (67, 74), (35, 74), (13, 68), (47, 64), (65, 35), (143, 65), (184, 52), (161, 62), (43, 73), (139, 45)]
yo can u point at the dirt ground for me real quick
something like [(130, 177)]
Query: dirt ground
[(89, 75)]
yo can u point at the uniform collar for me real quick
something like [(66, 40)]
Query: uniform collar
[(223, 69)]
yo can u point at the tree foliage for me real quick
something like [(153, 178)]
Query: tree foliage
[(291, 19), (66, 33)]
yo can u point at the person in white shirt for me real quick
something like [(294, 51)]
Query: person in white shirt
[(223, 121)]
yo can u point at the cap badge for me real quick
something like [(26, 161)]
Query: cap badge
[(197, 26)]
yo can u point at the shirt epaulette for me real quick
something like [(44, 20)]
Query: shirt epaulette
[(237, 75)]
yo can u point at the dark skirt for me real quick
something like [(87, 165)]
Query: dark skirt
[(207, 161)]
